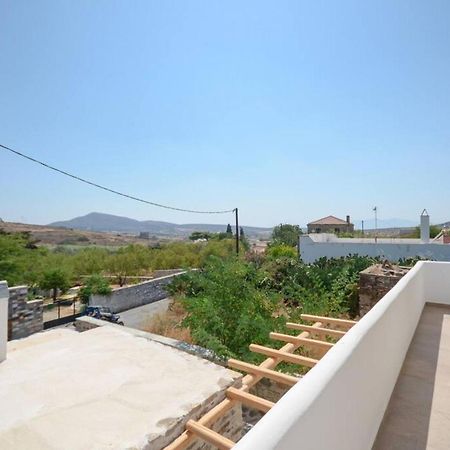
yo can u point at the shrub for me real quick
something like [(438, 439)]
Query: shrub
[(226, 308), (95, 284), (281, 251)]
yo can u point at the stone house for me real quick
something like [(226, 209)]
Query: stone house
[(331, 224)]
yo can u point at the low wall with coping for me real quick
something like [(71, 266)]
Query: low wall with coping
[(340, 403), (128, 297), (312, 250), (24, 317)]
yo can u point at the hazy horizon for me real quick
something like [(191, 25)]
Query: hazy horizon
[(289, 110)]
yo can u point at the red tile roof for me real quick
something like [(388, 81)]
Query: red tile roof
[(329, 220)]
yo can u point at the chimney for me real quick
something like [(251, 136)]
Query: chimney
[(348, 220), (4, 298), (425, 227)]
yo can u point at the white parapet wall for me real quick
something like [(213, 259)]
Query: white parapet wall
[(313, 247), (340, 403), (4, 300)]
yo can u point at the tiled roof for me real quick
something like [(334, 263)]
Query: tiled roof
[(329, 220)]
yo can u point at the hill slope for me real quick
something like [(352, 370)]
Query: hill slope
[(107, 222)]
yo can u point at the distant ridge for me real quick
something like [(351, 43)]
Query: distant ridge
[(96, 221)]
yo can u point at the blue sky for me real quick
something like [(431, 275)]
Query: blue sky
[(289, 110)]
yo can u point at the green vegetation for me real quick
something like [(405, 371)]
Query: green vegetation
[(286, 234), (21, 262), (54, 279), (234, 302), (95, 284), (434, 231)]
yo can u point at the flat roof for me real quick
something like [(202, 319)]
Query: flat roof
[(418, 415), (103, 388)]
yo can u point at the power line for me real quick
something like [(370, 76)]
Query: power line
[(132, 197)]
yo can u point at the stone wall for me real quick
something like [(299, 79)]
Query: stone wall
[(139, 294), (265, 388), (24, 318), (375, 282)]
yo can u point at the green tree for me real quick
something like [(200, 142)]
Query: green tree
[(226, 308), (229, 230), (200, 235), (434, 231), (95, 284), (286, 234), (54, 279), (281, 251)]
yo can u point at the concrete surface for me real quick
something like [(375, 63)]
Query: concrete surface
[(140, 316), (418, 415), (103, 388)]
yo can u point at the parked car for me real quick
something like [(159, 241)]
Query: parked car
[(103, 313)]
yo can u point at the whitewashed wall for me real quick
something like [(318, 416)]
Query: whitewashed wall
[(310, 250), (4, 298), (340, 403)]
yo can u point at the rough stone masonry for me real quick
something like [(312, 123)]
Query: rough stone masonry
[(375, 282), (24, 317)]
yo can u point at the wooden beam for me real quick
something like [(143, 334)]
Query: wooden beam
[(346, 324), (285, 356), (316, 330), (186, 438), (266, 373), (253, 401), (209, 435), (304, 342)]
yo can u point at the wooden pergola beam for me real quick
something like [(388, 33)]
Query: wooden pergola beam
[(346, 324), (316, 330), (303, 342), (253, 401), (187, 437), (266, 373), (285, 356), (209, 435)]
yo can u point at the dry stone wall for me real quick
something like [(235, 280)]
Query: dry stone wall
[(24, 317), (375, 282)]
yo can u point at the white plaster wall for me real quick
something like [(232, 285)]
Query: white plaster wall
[(310, 251), (340, 403), (4, 297)]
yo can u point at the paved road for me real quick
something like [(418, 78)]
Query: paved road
[(140, 316)]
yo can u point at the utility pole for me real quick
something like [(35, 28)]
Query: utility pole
[(375, 209), (237, 230), (362, 227)]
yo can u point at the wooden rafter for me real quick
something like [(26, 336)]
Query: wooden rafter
[(266, 373), (313, 344), (201, 428), (316, 330), (284, 356), (250, 400), (343, 323), (209, 435)]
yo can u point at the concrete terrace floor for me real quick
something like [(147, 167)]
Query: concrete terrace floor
[(418, 415)]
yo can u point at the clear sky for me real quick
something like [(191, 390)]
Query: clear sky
[(290, 110)]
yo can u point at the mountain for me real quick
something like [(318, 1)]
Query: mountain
[(107, 222)]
